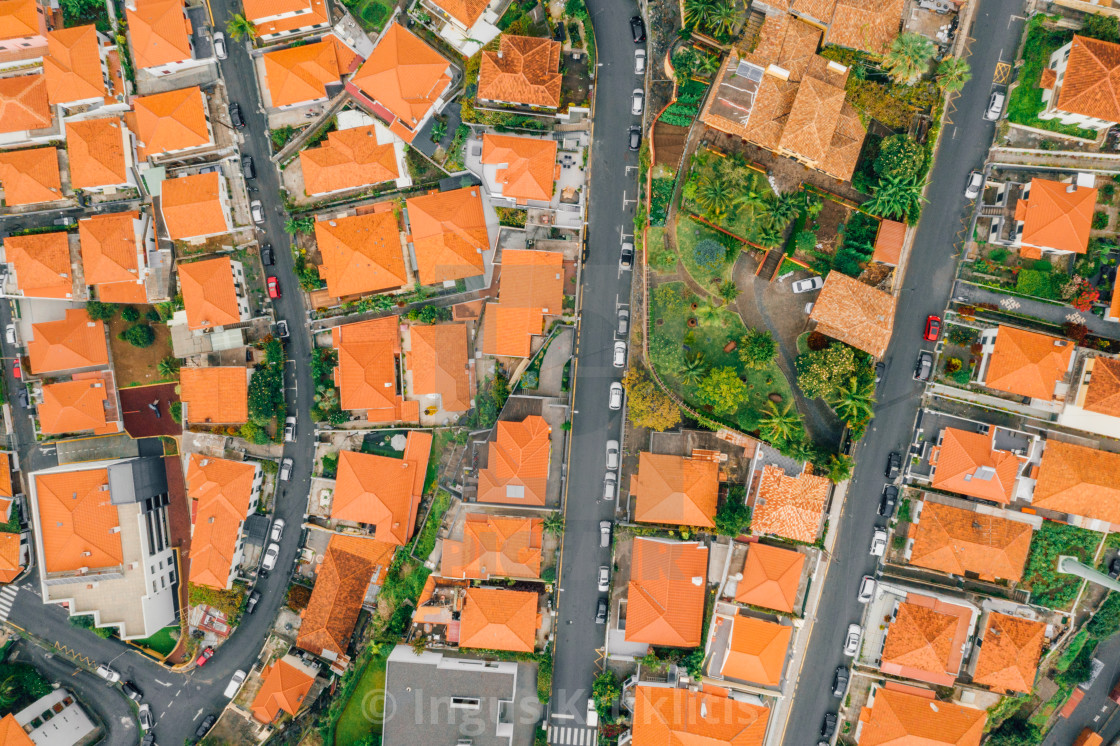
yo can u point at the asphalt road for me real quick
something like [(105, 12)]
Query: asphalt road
[(614, 182), (1096, 711), (928, 282)]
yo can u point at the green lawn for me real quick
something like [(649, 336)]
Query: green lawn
[(1048, 587), (658, 253), (372, 13), (670, 310), (1026, 100), (692, 236), (161, 641), (362, 715)]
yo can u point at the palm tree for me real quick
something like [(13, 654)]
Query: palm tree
[(710, 313), (840, 467), (908, 58), (798, 450), (952, 74), (715, 195), (782, 208), (694, 368), (698, 12), (554, 523), (239, 27), (855, 401), (168, 367), (779, 424), (708, 64), (728, 290), (299, 225), (723, 17), (895, 196)]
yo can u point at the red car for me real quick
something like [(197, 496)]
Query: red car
[(273, 287), (207, 654), (933, 328), (17, 372)]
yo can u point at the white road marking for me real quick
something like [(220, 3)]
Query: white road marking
[(197, 715), (162, 683)]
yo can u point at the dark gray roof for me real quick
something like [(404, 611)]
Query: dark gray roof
[(256, 529), (137, 480)]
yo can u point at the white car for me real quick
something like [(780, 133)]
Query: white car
[(604, 578), (107, 673), (612, 454), (615, 399), (220, 45), (639, 101), (268, 564), (620, 354), (975, 183), (610, 486), (639, 61), (851, 640), (995, 106), (285, 470), (808, 285), (277, 529), (235, 684), (289, 429), (10, 334), (866, 589), (257, 211), (879, 543), (147, 721)]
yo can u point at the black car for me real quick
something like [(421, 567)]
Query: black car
[(601, 611), (254, 599), (828, 727), (205, 726), (626, 258), (880, 370), (635, 137), (24, 399), (267, 257), (1114, 568), (888, 500), (638, 29), (131, 691), (894, 465), (247, 167), (235, 115), (840, 681)]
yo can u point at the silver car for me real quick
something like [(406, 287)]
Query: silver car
[(639, 61), (289, 429), (639, 101), (220, 45), (257, 211), (975, 182), (604, 534), (808, 285), (866, 589), (604, 578), (234, 684), (268, 564), (851, 640), (995, 106), (623, 322), (277, 529), (612, 454), (879, 543), (615, 399), (610, 486), (620, 354), (285, 470)]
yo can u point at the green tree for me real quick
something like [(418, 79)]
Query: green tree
[(698, 12), (780, 424), (708, 313), (554, 523), (130, 313), (274, 352), (169, 367), (733, 516), (429, 314), (715, 195), (266, 393), (1101, 27), (805, 242), (138, 335), (646, 404), (239, 27), (854, 400), (722, 389), (728, 290), (707, 64), (176, 409), (1106, 621), (299, 225), (782, 208), (900, 156), (894, 197), (99, 311), (604, 691), (953, 73), (757, 349), (820, 373), (724, 16), (908, 58)]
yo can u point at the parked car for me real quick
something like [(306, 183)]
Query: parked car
[(235, 117), (639, 101), (17, 371), (285, 470), (808, 285), (995, 106), (234, 684), (273, 287), (268, 258), (10, 334), (268, 563), (933, 328), (851, 640), (282, 329), (107, 673), (257, 211), (205, 726), (615, 399), (828, 725), (894, 465), (254, 599), (866, 589), (610, 486), (604, 578), (1114, 568), (289, 429), (247, 169), (220, 45), (604, 534), (601, 611), (888, 500), (880, 371), (635, 137), (626, 256), (612, 454), (131, 691), (840, 681), (207, 654), (638, 29), (623, 322), (878, 543), (619, 354), (24, 399), (924, 366), (639, 61), (277, 529), (147, 720), (975, 183)]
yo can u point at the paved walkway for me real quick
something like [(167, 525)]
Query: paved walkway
[(1057, 159), (965, 292), (556, 357)]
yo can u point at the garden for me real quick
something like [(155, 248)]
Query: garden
[(736, 197), (371, 14), (960, 356), (1088, 287), (707, 254), (1048, 587), (721, 20)]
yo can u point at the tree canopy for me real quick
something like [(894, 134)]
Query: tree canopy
[(821, 373), (647, 405), (722, 389)]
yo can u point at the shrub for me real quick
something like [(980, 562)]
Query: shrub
[(511, 216), (821, 372), (130, 313), (709, 253), (429, 314), (900, 156), (757, 349), (1036, 283), (101, 311), (139, 335), (952, 365), (733, 517), (998, 255), (1106, 621), (176, 411), (661, 195), (1100, 220), (1048, 587), (817, 341), (805, 241)]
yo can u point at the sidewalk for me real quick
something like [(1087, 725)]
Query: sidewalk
[(966, 292), (1068, 159)]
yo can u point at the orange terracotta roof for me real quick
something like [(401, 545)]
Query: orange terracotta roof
[(497, 619), (1102, 395), (448, 234), (10, 568), (532, 286), (361, 254), (171, 121), (901, 718), (75, 341), (1080, 481), (110, 244), (681, 717), (30, 176), (466, 12), (509, 332), (960, 541), (494, 546), (283, 687), (20, 19), (215, 395), (256, 10), (870, 25), (812, 118), (792, 507), (888, 241), (1008, 660), (404, 76), (209, 296), (756, 651), (1028, 363), (221, 494), (192, 206), (79, 526), (314, 13), (96, 150), (23, 103), (73, 66), (159, 32), (366, 374), (524, 70), (771, 577), (969, 463), (1057, 215), (42, 264), (855, 313), (925, 640), (1091, 86), (527, 165), (298, 75), (12, 733), (349, 159), (518, 463), (380, 491), (676, 489), (6, 491), (665, 597), (75, 407), (340, 587), (439, 363)]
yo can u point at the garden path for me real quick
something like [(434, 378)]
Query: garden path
[(1058, 314)]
